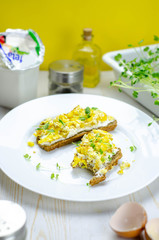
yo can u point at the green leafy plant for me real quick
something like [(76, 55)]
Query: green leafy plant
[(143, 69)]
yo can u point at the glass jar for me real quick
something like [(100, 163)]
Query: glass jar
[(65, 76)]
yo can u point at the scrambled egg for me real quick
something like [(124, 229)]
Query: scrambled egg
[(95, 151), (67, 125), (31, 144), (123, 166)]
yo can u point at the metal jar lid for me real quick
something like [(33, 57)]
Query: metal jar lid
[(66, 71), (12, 221)]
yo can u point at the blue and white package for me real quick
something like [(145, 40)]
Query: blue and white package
[(21, 49)]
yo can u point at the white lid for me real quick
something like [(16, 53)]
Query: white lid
[(12, 220)]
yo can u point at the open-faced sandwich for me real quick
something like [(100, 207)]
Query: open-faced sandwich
[(66, 128), (98, 153)]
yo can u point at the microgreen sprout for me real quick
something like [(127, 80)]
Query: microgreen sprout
[(54, 176), (43, 127), (87, 110), (58, 166), (93, 145), (103, 159), (51, 130), (57, 176), (101, 151), (82, 118), (61, 122), (143, 69), (109, 158), (38, 166), (88, 184), (76, 143), (27, 157), (154, 120), (133, 148)]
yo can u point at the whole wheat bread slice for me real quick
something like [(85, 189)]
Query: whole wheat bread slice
[(111, 126), (97, 179)]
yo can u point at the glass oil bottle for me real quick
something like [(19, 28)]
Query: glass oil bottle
[(89, 55)]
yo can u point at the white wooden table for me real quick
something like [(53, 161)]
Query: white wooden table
[(53, 219)]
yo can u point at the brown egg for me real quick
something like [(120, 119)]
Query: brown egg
[(152, 229), (129, 220)]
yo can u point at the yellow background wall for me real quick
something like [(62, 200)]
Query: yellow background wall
[(115, 23)]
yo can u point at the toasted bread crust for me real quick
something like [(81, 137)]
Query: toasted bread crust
[(98, 179), (114, 162), (111, 126)]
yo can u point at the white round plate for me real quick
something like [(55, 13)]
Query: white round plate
[(18, 126)]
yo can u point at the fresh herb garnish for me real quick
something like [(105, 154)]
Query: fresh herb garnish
[(82, 118), (57, 176), (44, 127), (88, 184), (143, 69), (38, 166), (58, 166), (101, 151), (97, 135), (154, 120), (51, 130), (87, 110), (27, 157), (103, 159), (93, 145), (76, 143), (133, 148), (94, 108), (62, 122), (109, 158), (53, 176)]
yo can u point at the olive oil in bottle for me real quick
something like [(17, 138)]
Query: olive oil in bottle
[(89, 55)]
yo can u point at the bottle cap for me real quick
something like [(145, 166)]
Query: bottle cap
[(12, 221), (87, 34)]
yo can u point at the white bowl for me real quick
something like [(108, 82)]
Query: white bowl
[(128, 54)]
